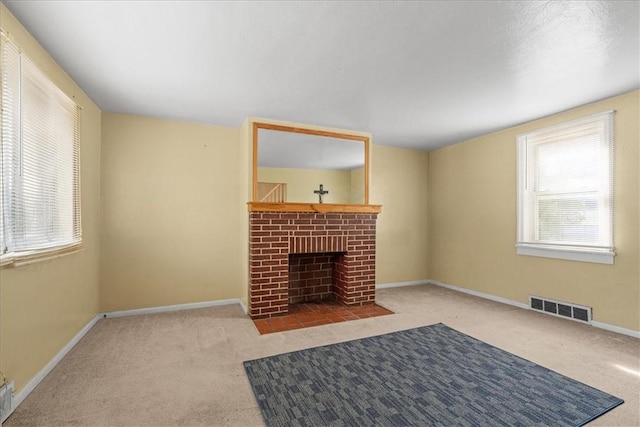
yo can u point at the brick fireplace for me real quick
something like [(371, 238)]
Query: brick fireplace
[(304, 256)]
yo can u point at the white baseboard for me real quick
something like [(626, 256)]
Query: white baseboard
[(177, 307), (20, 396), (617, 329), (480, 294), (599, 325), (401, 284), (244, 307)]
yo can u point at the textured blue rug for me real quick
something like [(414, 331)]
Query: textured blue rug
[(428, 376)]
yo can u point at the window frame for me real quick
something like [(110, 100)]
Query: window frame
[(528, 242), (17, 257)]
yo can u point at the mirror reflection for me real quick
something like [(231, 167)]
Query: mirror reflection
[(304, 168)]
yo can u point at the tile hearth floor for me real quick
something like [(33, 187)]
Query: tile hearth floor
[(315, 314)]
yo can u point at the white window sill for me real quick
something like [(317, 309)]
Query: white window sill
[(571, 254), (18, 259)]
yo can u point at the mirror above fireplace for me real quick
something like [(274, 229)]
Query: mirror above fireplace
[(303, 162), (299, 168)]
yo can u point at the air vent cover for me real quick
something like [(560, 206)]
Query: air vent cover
[(536, 303), (582, 314), (6, 400), (550, 307), (561, 309), (564, 310)]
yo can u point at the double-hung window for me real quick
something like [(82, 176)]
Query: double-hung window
[(39, 163), (565, 190)]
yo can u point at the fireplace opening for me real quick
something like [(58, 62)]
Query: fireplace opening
[(312, 276)]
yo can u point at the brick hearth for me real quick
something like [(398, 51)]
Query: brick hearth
[(345, 240)]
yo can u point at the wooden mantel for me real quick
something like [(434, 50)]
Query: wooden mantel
[(312, 207)]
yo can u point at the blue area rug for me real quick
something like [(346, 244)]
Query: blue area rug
[(428, 376)]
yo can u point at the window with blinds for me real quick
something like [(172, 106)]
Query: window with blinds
[(39, 163), (565, 190)]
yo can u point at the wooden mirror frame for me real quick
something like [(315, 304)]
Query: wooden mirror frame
[(256, 206)]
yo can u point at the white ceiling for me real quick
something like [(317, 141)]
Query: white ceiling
[(414, 74)]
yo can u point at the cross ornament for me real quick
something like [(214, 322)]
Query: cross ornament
[(321, 192)]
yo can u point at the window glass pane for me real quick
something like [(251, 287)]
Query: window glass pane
[(39, 158), (569, 218), (47, 163), (10, 161), (572, 165)]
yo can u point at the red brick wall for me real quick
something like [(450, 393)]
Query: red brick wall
[(273, 236), (311, 277)]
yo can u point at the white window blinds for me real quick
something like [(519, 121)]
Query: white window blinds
[(40, 159), (565, 187)]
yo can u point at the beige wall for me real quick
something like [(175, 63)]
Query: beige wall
[(400, 186), (161, 173), (357, 186), (173, 205), (43, 305), (472, 188), (245, 169), (301, 183)]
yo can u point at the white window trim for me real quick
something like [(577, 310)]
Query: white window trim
[(566, 254), (587, 253), (18, 259)]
